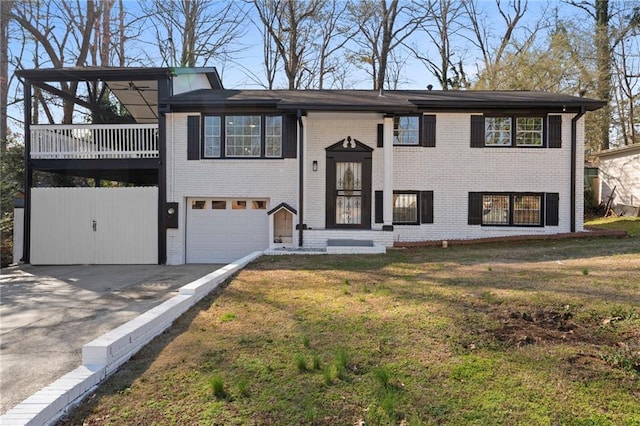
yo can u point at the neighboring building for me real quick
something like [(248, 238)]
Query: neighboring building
[(234, 171), (619, 168)]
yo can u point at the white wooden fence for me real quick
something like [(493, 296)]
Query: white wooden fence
[(94, 141)]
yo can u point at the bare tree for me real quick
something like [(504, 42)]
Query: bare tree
[(334, 32), (383, 27), (492, 55), (599, 12), (60, 27), (444, 23), (196, 32), (395, 76), (291, 25), (625, 35), (270, 53)]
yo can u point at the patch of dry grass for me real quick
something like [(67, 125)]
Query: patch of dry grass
[(489, 334)]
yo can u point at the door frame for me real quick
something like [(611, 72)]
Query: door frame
[(348, 150)]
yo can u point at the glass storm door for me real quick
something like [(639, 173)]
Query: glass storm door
[(348, 190), (348, 193)]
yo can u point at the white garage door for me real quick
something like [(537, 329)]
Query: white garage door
[(222, 230)]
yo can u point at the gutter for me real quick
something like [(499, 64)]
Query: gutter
[(300, 180), (574, 141)]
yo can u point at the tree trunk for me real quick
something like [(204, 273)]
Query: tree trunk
[(5, 13), (604, 63)]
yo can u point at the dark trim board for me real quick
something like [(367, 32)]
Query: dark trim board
[(94, 74), (135, 171)]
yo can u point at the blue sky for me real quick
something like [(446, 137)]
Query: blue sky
[(235, 74)]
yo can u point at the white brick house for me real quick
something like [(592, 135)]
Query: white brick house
[(393, 167), (246, 170)]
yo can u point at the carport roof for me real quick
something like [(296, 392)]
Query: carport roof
[(135, 87)]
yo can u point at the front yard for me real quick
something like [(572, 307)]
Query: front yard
[(533, 333)]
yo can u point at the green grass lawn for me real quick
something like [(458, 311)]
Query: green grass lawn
[(629, 224), (533, 333)]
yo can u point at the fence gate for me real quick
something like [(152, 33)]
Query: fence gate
[(94, 226)]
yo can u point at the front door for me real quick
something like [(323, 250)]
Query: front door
[(348, 185)]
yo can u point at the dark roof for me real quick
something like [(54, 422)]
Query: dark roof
[(389, 101), (94, 73), (282, 206)]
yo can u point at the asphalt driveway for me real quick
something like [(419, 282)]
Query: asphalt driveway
[(47, 313)]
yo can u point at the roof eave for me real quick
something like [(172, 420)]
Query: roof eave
[(480, 106), (94, 74), (629, 149)]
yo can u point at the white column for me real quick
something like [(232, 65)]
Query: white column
[(387, 211)]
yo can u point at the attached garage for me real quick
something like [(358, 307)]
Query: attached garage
[(94, 226), (221, 230)]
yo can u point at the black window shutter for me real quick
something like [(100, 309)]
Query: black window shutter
[(477, 131), (289, 136), (555, 131), (426, 206), (475, 208), (552, 206), (428, 131), (193, 137), (379, 217), (380, 135)]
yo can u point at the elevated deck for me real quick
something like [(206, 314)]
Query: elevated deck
[(94, 141)]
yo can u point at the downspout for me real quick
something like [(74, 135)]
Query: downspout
[(300, 179), (28, 174), (574, 142)]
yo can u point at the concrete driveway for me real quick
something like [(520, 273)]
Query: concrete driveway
[(47, 313)]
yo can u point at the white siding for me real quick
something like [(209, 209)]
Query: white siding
[(622, 171)]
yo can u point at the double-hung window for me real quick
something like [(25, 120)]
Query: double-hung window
[(406, 130), (497, 131), (243, 136), (273, 137), (212, 136), (515, 131), (529, 131)]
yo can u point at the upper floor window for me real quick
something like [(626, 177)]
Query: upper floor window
[(273, 129), (499, 131), (529, 131), (516, 131), (242, 136), (212, 136), (406, 130)]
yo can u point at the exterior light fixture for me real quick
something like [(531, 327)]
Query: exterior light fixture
[(314, 165)]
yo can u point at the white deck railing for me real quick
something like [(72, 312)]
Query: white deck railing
[(94, 141)]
